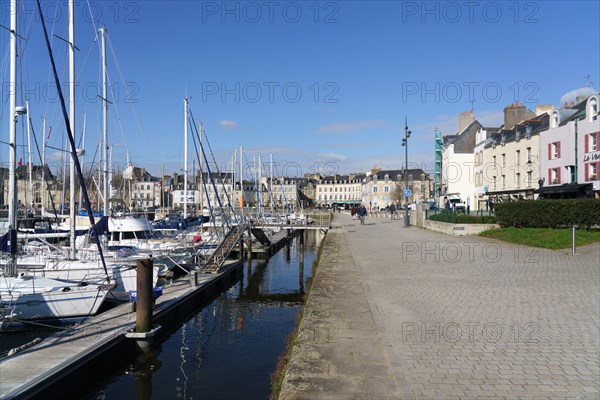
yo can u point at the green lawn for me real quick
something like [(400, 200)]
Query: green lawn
[(546, 238)]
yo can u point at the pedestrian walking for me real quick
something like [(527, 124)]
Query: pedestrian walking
[(353, 212), (446, 203), (393, 211), (362, 213)]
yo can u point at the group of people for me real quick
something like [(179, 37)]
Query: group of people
[(360, 211)]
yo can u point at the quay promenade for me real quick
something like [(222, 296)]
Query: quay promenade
[(405, 313)]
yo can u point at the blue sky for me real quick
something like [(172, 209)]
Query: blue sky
[(321, 85)]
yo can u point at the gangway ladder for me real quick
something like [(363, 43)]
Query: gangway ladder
[(260, 235), (218, 258)]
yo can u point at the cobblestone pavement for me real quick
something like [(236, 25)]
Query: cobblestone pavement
[(407, 313)]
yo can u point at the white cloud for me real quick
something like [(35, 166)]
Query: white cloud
[(332, 157), (341, 127), (572, 95), (228, 125)]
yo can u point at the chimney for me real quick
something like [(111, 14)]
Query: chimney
[(566, 105), (543, 108), (465, 119), (515, 113)]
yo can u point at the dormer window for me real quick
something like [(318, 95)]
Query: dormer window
[(528, 132), (554, 120), (517, 135), (503, 139), (593, 109)]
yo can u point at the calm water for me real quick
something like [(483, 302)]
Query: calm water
[(230, 347)]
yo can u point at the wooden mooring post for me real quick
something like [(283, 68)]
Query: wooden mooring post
[(144, 330)]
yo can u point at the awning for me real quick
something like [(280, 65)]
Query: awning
[(566, 188), (513, 191)]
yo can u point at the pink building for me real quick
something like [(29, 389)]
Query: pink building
[(570, 151)]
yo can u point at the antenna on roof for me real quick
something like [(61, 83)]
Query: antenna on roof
[(472, 103)]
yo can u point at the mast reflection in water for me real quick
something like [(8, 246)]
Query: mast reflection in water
[(230, 347)]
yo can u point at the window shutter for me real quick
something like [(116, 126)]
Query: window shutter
[(586, 173), (549, 151), (549, 176), (558, 149), (598, 171), (558, 175), (586, 143)]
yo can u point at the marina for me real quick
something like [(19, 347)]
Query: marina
[(67, 356)]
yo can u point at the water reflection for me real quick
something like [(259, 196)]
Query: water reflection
[(230, 347)]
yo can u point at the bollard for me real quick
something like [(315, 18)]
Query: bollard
[(573, 239), (144, 301), (144, 331)]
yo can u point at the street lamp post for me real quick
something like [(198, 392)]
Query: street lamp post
[(407, 133)]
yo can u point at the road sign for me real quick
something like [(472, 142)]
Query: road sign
[(407, 193)]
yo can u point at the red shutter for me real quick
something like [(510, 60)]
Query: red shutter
[(549, 151), (586, 142), (558, 175), (598, 171), (558, 149), (586, 172), (549, 176)]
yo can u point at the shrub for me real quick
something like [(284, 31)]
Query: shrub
[(454, 218), (584, 213)]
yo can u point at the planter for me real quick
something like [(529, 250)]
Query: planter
[(458, 229)]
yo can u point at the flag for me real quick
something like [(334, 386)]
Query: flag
[(20, 162), (49, 131)]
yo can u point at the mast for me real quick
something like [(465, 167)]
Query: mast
[(72, 121), (271, 195), (82, 154), (12, 181), (233, 168), (241, 179), (105, 149), (29, 163), (185, 156), (201, 168), (43, 191)]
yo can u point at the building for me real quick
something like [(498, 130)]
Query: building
[(570, 153), (511, 158), (458, 159), (382, 188), (344, 190)]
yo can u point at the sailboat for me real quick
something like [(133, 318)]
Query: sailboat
[(27, 297)]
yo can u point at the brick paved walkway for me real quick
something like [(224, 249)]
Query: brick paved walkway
[(411, 314)]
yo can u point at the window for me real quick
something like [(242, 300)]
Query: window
[(518, 180), (529, 179), (554, 176), (374, 189), (592, 172), (494, 182), (386, 189), (518, 157), (554, 120), (593, 142), (503, 160), (529, 154), (593, 109), (494, 161), (503, 181), (553, 150)]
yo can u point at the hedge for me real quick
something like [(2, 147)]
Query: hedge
[(583, 213), (455, 218)]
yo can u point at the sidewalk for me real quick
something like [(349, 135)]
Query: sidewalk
[(405, 313)]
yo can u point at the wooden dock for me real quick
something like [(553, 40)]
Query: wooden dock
[(54, 367)]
